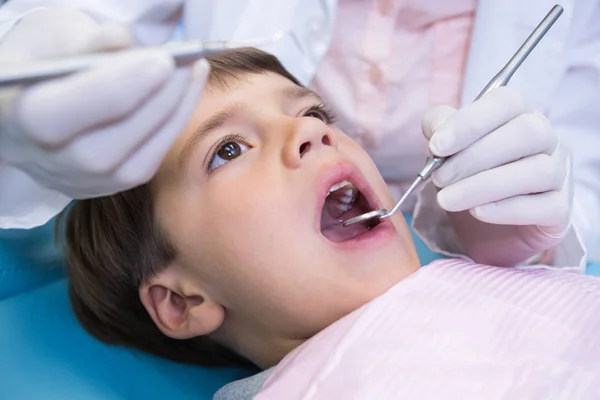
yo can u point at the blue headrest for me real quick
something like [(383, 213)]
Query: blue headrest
[(28, 259), (44, 352), (47, 355)]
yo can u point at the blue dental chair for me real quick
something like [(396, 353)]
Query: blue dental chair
[(45, 354)]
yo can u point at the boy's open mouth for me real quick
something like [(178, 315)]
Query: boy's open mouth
[(344, 201)]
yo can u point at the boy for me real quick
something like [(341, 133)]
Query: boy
[(234, 254), (181, 265)]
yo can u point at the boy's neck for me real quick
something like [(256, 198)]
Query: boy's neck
[(263, 350)]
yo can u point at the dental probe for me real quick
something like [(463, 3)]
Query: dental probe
[(182, 53), (501, 79)]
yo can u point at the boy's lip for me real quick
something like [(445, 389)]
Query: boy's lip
[(338, 172)]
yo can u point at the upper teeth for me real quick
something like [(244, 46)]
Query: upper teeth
[(340, 185), (349, 195)]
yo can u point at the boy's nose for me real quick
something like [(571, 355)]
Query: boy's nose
[(308, 135)]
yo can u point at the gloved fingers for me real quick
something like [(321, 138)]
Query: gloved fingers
[(434, 118), (549, 209), (47, 33), (477, 120), (52, 113), (143, 163), (101, 151), (112, 162), (109, 36), (526, 135), (536, 174)]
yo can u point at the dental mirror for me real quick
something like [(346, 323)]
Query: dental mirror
[(381, 213)]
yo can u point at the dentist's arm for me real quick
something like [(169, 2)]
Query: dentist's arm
[(90, 134), (511, 202)]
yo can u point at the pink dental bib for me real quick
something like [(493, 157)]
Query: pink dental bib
[(457, 330)]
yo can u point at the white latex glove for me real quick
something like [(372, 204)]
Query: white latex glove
[(100, 131), (507, 165)]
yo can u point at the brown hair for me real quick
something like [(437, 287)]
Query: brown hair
[(114, 244)]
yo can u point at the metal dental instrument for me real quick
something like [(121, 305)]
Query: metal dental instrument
[(501, 79), (182, 53)]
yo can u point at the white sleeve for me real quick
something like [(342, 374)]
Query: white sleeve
[(24, 203), (307, 26), (575, 113), (150, 21), (9, 19)]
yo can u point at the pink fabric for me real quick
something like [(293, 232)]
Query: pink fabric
[(457, 330), (389, 61)]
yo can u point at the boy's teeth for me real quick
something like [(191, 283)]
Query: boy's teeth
[(346, 202), (340, 185), (344, 196), (343, 207)]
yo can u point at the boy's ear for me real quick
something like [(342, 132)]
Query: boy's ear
[(179, 309)]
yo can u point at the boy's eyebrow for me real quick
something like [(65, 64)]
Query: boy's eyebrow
[(222, 117), (300, 92), (214, 122)]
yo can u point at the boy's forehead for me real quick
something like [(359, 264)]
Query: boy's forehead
[(243, 84)]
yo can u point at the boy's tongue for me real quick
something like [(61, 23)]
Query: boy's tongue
[(334, 213)]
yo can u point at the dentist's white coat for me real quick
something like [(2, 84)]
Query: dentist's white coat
[(562, 76)]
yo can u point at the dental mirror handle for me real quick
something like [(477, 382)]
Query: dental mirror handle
[(19, 74), (181, 52), (503, 77)]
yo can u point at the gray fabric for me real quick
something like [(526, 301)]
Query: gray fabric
[(244, 389)]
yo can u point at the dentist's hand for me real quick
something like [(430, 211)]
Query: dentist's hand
[(96, 132), (507, 166)]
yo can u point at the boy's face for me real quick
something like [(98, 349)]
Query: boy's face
[(242, 194)]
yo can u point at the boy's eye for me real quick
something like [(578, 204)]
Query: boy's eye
[(227, 151), (321, 112), (316, 114)]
